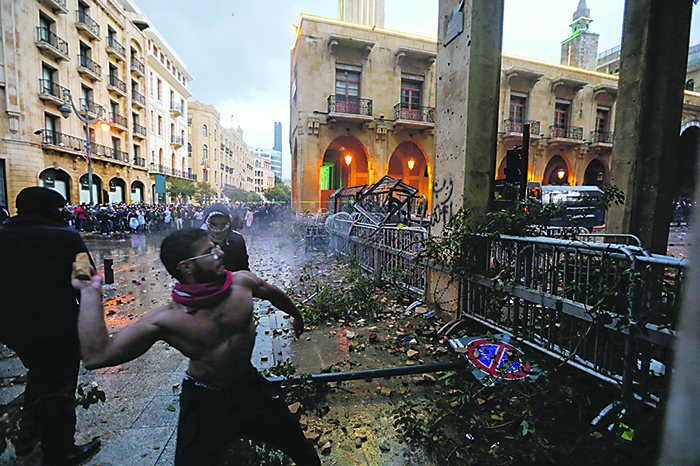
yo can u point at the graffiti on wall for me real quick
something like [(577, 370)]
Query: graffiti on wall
[(443, 208)]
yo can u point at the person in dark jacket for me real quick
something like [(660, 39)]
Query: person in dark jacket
[(39, 321), (217, 222)]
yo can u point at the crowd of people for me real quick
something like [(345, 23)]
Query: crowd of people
[(141, 218)]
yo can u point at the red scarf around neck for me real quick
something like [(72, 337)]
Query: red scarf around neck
[(199, 295)]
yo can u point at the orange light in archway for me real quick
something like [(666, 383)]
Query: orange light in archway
[(561, 173), (411, 164), (105, 126), (348, 159)]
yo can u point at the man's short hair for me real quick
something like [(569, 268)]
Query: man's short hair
[(177, 247)]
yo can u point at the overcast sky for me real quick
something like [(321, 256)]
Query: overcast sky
[(238, 51)]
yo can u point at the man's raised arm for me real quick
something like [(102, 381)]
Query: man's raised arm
[(97, 347), (280, 300)]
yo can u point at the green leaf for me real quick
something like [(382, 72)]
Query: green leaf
[(526, 427), (171, 408)]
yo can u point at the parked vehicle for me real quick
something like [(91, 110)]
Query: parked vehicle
[(583, 204)]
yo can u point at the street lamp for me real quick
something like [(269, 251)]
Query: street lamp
[(411, 164), (66, 111), (560, 174), (348, 159)]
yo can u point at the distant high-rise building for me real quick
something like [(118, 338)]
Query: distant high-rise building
[(278, 136), (367, 12)]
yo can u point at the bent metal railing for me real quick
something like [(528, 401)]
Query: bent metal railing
[(607, 309)]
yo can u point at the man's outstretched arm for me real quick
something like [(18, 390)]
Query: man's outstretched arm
[(97, 347), (280, 300)]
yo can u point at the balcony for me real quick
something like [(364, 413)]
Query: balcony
[(140, 162), (115, 49), (348, 108), (513, 128), (175, 109), (50, 44), (58, 6), (176, 142), (54, 140), (414, 116), (137, 67), (138, 100), (88, 26), (49, 91), (89, 69), (98, 150), (602, 139), (92, 108), (118, 121), (116, 86), (139, 132), (168, 171), (566, 134)]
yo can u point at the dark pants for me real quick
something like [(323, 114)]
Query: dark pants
[(49, 398), (210, 418)]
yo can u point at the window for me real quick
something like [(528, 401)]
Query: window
[(516, 113), (204, 131), (601, 125), (561, 118), (347, 91), (47, 81), (205, 152), (690, 85), (411, 100), (160, 90), (160, 125), (51, 126), (153, 121), (151, 84), (46, 26)]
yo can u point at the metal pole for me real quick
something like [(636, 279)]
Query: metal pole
[(87, 150), (525, 160)]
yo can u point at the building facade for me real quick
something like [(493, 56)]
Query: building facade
[(278, 136), (362, 106), (271, 155), (91, 53), (264, 175), (218, 155)]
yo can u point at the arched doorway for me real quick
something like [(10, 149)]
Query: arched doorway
[(409, 163), (137, 192), (344, 164), (688, 157), (96, 189), (58, 180), (596, 173), (557, 172), (116, 191)]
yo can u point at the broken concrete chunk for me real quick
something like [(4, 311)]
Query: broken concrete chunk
[(294, 407)]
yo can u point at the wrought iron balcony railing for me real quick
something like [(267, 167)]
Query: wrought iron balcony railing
[(175, 107), (118, 119), (511, 125), (176, 140), (137, 65), (414, 113), (138, 129), (118, 83), (43, 34), (140, 162), (91, 24), (54, 138), (86, 62), (113, 44), (169, 171), (349, 105), (91, 106), (602, 137), (99, 150), (136, 96), (566, 132), (48, 87)]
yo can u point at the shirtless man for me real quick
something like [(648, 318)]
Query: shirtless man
[(210, 320)]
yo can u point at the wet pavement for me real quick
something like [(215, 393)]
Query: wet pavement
[(138, 421)]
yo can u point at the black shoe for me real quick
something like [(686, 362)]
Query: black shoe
[(79, 454)]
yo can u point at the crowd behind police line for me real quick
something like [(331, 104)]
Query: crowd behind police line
[(142, 218)]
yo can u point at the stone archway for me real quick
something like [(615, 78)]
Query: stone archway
[(688, 158), (553, 175), (406, 154), (96, 189), (344, 164), (138, 193), (596, 174), (58, 180), (117, 191)]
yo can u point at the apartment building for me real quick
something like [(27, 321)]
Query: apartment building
[(218, 155), (274, 156), (264, 175)]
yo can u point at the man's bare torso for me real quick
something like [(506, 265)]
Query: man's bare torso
[(218, 340)]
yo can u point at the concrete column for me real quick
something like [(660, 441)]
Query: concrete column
[(468, 84), (647, 124)]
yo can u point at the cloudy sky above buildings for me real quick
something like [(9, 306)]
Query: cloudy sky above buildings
[(238, 51)]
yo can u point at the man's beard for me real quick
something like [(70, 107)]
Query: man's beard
[(206, 276)]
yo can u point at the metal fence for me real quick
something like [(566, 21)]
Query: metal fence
[(608, 309)]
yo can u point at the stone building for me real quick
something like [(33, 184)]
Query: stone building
[(264, 174), (95, 52), (274, 156), (218, 155), (167, 114), (362, 106)]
